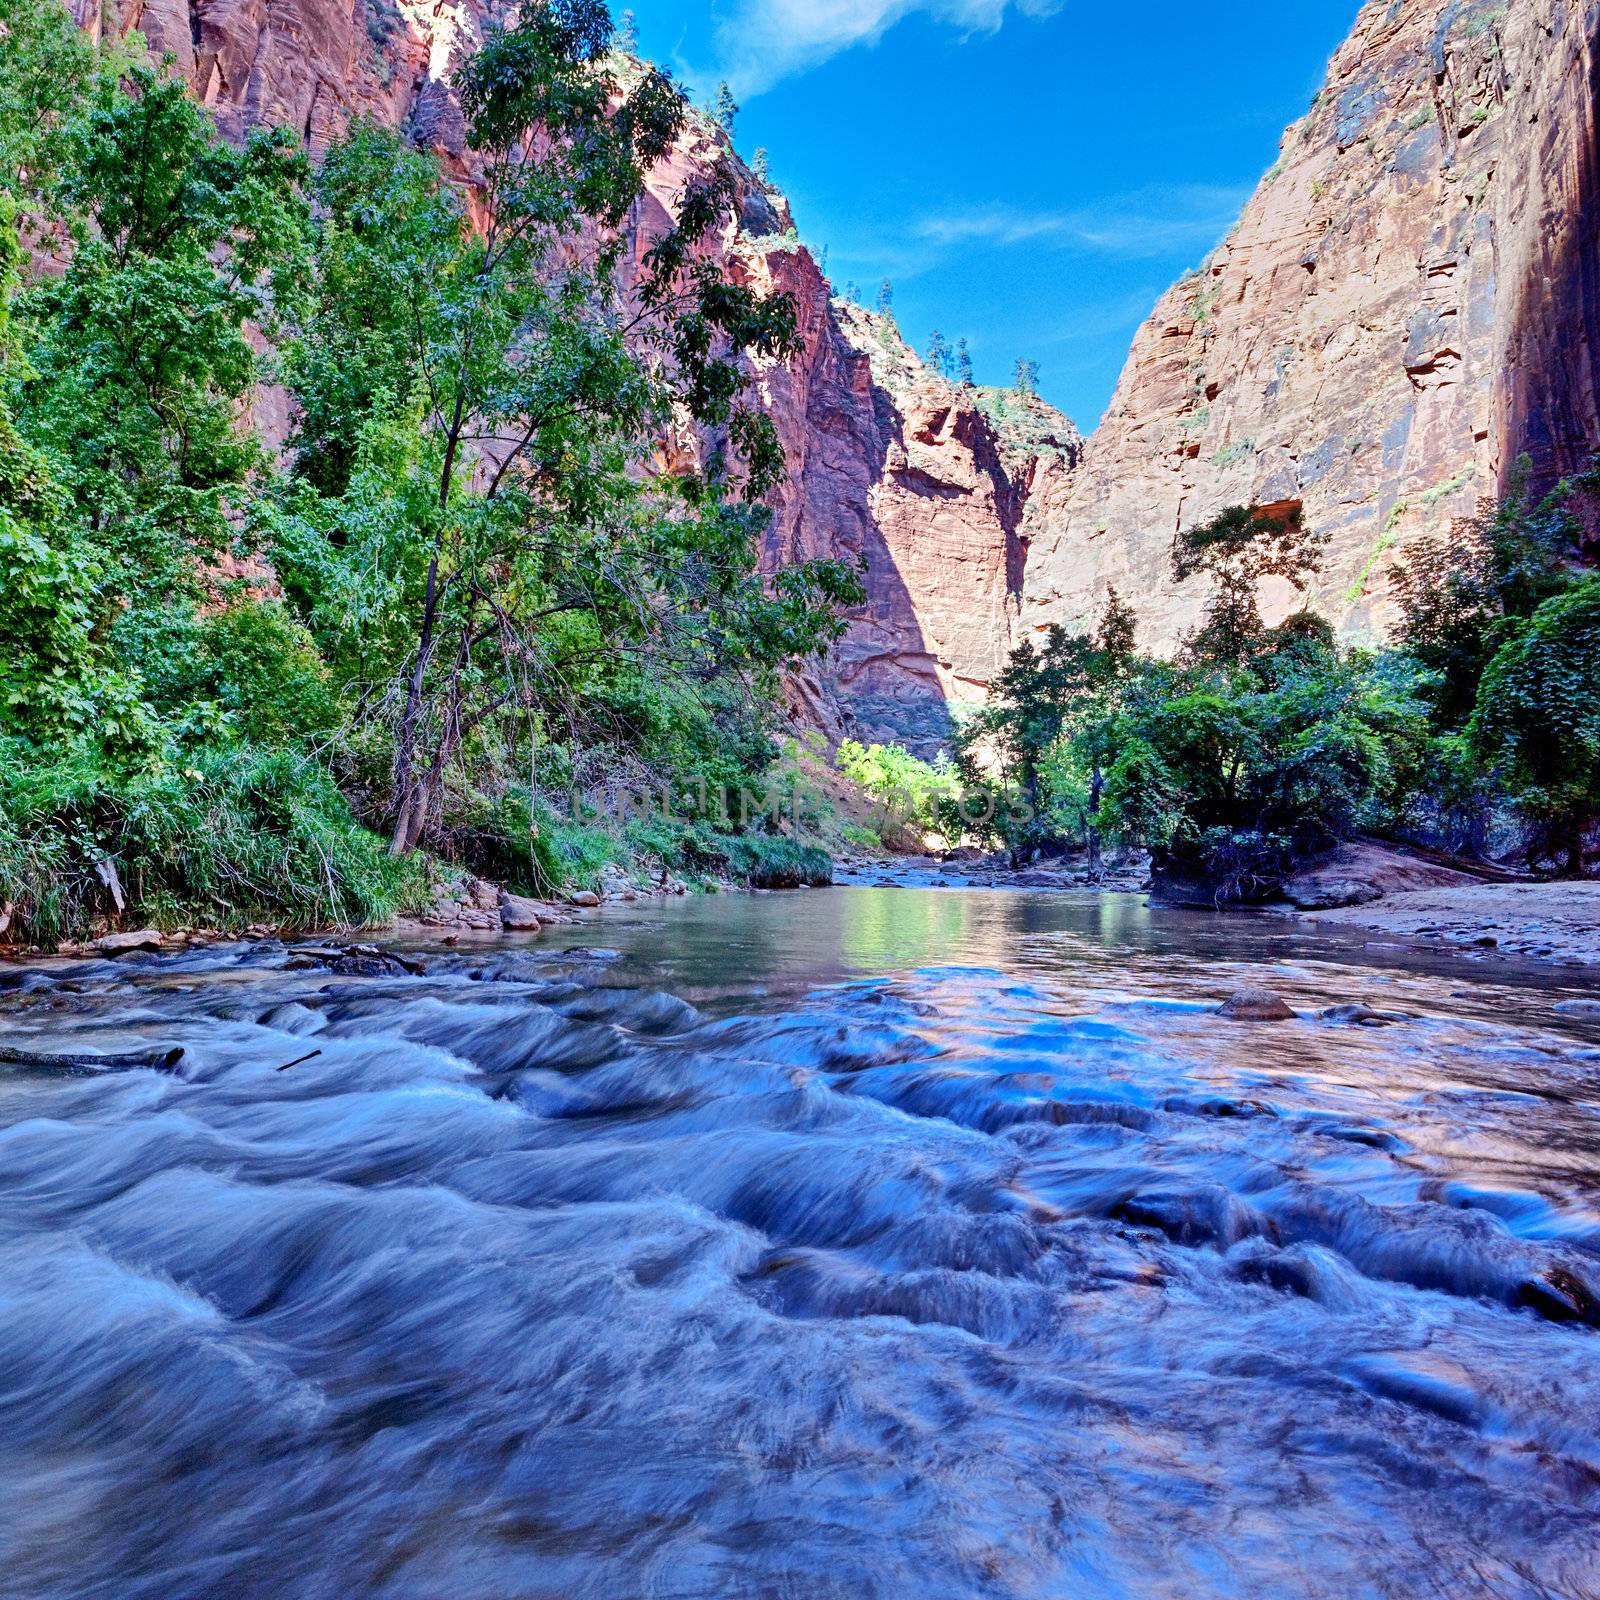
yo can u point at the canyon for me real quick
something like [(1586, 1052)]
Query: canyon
[(1408, 305)]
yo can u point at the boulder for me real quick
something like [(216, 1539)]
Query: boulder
[(518, 914), (1256, 1005), (1364, 871), (483, 895), (116, 944), (584, 897)]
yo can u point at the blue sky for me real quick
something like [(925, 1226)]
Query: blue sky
[(1029, 173)]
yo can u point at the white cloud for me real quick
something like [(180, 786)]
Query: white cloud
[(764, 41), (1150, 222)]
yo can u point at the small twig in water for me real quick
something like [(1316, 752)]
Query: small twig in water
[(299, 1061)]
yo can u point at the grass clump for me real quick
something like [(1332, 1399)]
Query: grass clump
[(231, 839)]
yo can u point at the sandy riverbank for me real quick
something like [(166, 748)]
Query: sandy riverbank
[(1548, 921)]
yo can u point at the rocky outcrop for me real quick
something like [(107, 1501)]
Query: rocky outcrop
[(1408, 303), (310, 65), (924, 481)]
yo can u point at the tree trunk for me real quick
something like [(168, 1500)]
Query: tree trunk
[(1096, 785), (410, 806)]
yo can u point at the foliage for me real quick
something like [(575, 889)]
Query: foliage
[(235, 837), (908, 795), (1236, 550), (1260, 747), (1462, 594), (559, 581), (1537, 719), (475, 569)]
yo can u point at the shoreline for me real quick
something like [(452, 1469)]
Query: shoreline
[(1553, 924)]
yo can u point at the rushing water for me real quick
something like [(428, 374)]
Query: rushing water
[(926, 1244)]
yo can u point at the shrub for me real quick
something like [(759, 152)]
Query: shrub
[(235, 837), (769, 861)]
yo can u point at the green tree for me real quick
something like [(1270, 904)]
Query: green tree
[(1537, 720), (1025, 380), (907, 793), (761, 166), (727, 110), (1462, 594), (47, 591), (1236, 550), (964, 364), (886, 299), (141, 355), (938, 357), (46, 72), (480, 530), (626, 39)]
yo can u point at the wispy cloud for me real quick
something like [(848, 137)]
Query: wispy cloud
[(761, 42), (1152, 222)]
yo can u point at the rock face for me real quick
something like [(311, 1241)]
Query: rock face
[(925, 480), (1410, 301), (310, 65)]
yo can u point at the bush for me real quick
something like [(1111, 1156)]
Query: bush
[(236, 837), (769, 861), (1538, 721)]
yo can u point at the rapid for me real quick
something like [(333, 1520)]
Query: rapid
[(854, 1243)]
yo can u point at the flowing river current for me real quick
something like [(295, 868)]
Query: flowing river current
[(858, 1243)]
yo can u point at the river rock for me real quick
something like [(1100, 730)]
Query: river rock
[(1256, 1005), (584, 897), (1360, 1015), (116, 944), (1577, 1008), (518, 914)]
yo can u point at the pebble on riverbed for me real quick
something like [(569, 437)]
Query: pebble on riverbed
[(1256, 1005)]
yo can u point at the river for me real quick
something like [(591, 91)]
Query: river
[(854, 1243)]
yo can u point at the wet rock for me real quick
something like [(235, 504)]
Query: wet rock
[(1256, 1005), (519, 914), (584, 897), (1327, 894), (483, 895), (116, 944), (1216, 1106), (1559, 1296), (1577, 1008), (1360, 1015), (1209, 1215), (131, 1061)]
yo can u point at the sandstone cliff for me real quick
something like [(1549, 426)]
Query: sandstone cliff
[(1410, 301), (924, 480)]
